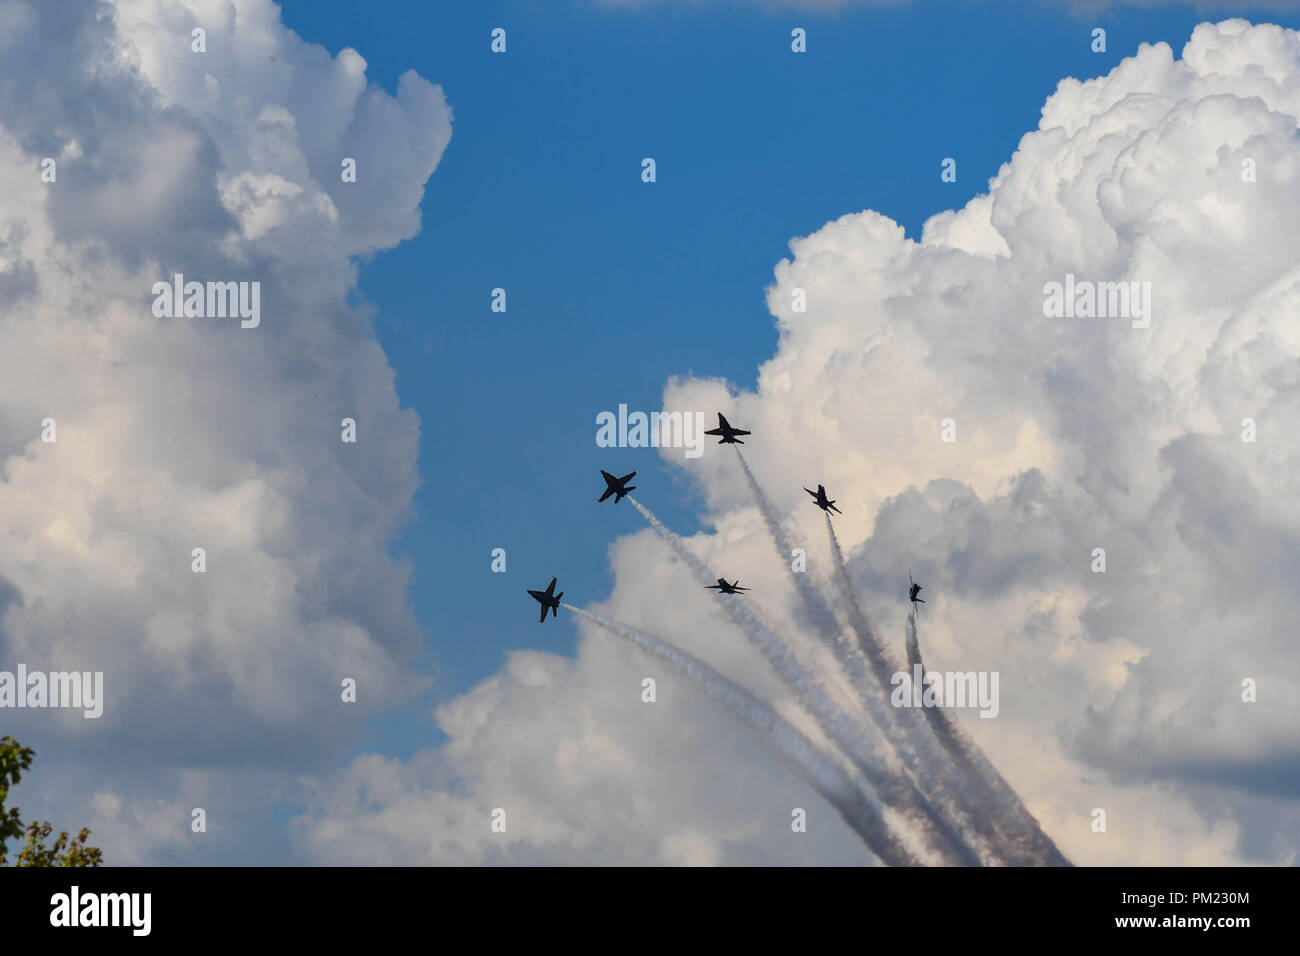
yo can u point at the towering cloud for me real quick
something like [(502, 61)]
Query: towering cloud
[(1121, 690), (176, 434)]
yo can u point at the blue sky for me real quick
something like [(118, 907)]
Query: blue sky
[(615, 285)]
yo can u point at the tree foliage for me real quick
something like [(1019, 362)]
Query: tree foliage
[(15, 759)]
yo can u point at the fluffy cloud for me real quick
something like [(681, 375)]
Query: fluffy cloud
[(1121, 690), (174, 434)]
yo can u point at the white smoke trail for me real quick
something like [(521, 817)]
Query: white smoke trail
[(893, 787), (870, 646), (814, 766), (985, 808), (1015, 824), (957, 773), (815, 601), (676, 543), (922, 776), (930, 764)]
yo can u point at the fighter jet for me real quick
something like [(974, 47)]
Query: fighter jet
[(616, 486), (548, 600), (913, 590), (722, 587), (727, 432), (825, 505)]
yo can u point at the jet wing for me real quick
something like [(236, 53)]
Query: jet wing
[(608, 491)]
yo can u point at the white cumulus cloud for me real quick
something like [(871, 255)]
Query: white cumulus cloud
[(1120, 691), (175, 433)]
